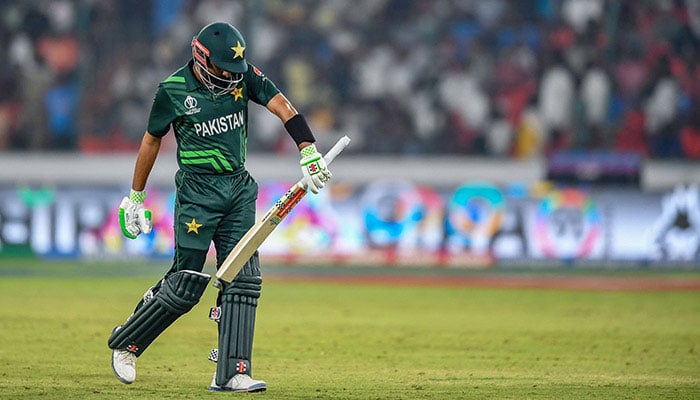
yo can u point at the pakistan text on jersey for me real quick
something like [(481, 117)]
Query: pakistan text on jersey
[(219, 125)]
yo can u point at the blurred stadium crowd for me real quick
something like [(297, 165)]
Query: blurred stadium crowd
[(518, 78)]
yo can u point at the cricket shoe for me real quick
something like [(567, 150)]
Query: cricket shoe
[(124, 364), (240, 383)]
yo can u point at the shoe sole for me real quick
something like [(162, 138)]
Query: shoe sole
[(250, 390)]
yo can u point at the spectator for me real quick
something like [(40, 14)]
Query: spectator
[(467, 104), (557, 94), (631, 136), (690, 136), (435, 70), (530, 140), (578, 13), (61, 104), (595, 93), (499, 135)]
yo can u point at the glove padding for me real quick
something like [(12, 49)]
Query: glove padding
[(133, 218), (314, 168)]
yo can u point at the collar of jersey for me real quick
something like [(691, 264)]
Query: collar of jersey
[(191, 82)]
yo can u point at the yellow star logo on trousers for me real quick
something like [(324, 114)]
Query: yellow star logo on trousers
[(238, 50), (193, 226), (237, 93)]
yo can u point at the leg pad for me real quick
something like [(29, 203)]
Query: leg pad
[(179, 292), (238, 302)]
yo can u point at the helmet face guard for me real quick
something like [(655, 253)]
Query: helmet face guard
[(216, 84)]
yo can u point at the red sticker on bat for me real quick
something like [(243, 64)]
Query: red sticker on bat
[(292, 201)]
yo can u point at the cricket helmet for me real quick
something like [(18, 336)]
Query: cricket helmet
[(221, 44)]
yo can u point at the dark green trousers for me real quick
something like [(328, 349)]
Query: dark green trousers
[(218, 208)]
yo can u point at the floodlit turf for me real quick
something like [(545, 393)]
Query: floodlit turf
[(334, 341)]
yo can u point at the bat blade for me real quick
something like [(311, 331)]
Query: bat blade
[(256, 235)]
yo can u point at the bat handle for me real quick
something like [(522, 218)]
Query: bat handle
[(336, 149)]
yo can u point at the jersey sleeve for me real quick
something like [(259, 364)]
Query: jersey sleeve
[(162, 113), (260, 89)]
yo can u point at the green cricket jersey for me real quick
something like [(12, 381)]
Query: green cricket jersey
[(211, 131)]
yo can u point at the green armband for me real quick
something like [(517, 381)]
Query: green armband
[(137, 196)]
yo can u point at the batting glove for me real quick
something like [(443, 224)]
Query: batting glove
[(314, 168), (133, 218)]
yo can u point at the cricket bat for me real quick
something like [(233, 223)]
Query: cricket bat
[(257, 234)]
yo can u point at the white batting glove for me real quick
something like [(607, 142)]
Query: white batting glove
[(133, 218), (314, 168)]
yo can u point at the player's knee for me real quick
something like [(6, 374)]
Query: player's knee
[(249, 286), (181, 290)]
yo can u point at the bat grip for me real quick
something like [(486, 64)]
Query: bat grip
[(336, 149)]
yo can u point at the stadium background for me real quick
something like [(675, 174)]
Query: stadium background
[(501, 133)]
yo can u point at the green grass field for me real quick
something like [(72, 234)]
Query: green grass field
[(336, 341)]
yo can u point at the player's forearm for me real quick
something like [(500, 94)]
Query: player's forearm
[(294, 123), (281, 107), (148, 151)]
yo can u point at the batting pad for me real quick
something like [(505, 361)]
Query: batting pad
[(179, 293), (238, 302)]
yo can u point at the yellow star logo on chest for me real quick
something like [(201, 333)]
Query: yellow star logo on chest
[(238, 50), (237, 93), (193, 226)]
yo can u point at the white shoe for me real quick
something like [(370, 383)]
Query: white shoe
[(124, 365), (239, 383)]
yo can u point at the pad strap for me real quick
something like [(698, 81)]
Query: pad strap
[(180, 292)]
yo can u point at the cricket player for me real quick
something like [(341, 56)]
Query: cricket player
[(206, 104)]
